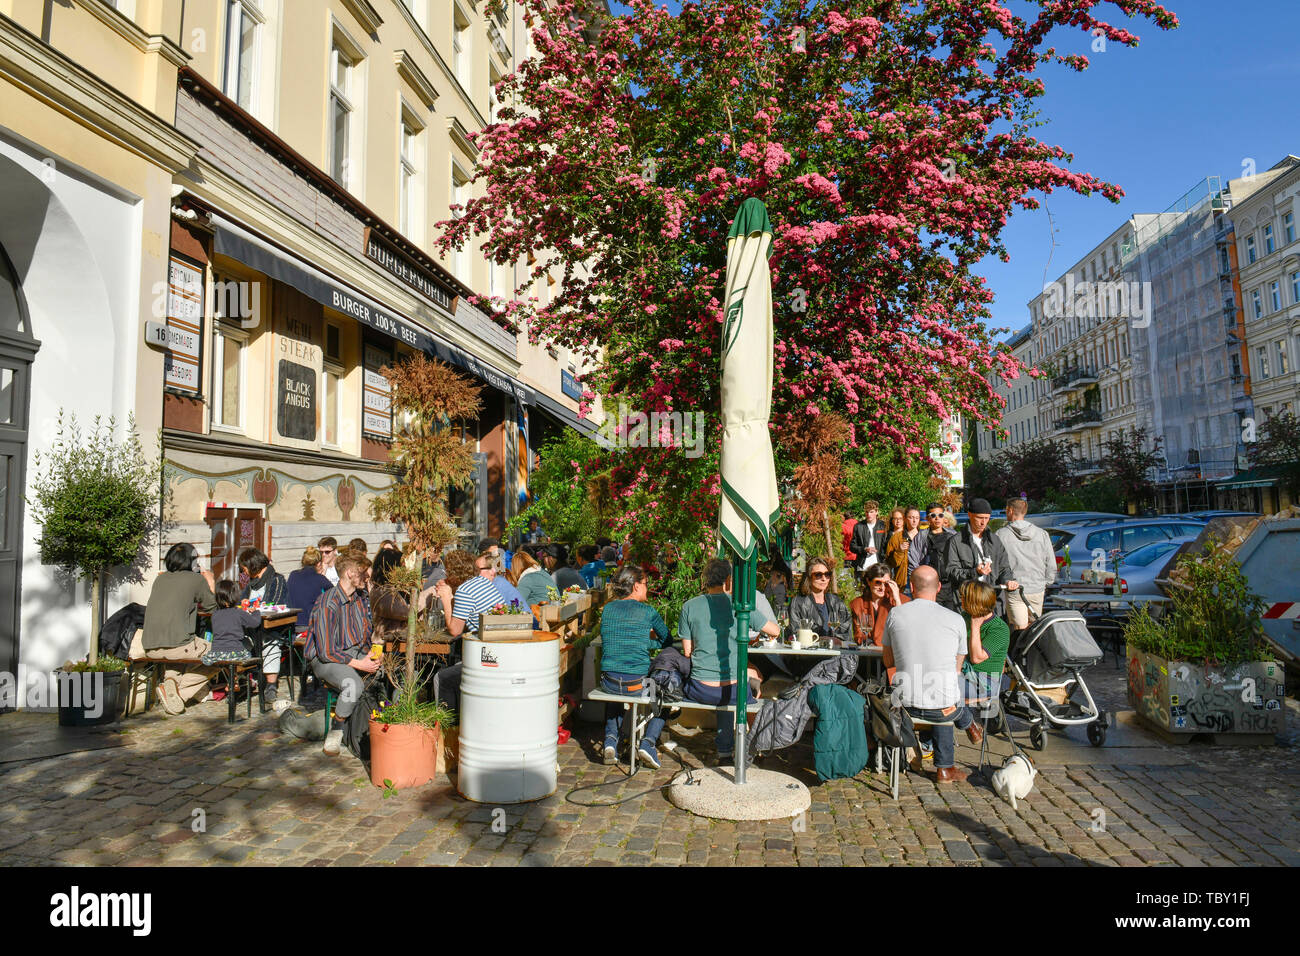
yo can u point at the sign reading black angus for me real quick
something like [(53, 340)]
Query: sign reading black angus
[(297, 400), (417, 276)]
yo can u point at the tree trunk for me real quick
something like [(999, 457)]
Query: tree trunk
[(413, 610), (96, 585), (832, 559)]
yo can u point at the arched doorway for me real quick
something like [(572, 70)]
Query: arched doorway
[(17, 349)]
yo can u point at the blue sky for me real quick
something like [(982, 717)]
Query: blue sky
[(1185, 104)]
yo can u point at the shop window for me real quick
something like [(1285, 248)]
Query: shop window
[(330, 409), (228, 387)]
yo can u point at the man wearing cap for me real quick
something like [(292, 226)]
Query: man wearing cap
[(972, 554), (565, 576)]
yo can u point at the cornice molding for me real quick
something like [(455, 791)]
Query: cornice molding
[(408, 70), (72, 90), (130, 31), (365, 14)]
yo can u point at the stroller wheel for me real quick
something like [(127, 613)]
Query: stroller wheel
[(1038, 736), (1097, 731)]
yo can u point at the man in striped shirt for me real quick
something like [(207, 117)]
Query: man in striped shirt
[(338, 641), (474, 595)]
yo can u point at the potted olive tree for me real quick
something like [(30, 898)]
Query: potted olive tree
[(428, 459), (1203, 666), (97, 502)]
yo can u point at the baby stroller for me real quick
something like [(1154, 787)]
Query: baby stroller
[(1044, 662)]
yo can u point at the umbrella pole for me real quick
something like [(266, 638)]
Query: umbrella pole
[(744, 585)]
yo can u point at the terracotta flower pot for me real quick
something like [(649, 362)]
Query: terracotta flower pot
[(405, 754)]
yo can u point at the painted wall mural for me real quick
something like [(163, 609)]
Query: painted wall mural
[(309, 493)]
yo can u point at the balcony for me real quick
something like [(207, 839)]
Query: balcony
[(1086, 466), (1079, 421), (1073, 378)]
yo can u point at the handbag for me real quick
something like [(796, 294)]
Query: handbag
[(891, 724)]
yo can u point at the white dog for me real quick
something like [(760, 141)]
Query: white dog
[(1014, 781)]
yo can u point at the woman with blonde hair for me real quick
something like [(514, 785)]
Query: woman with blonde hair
[(530, 578), (988, 638)]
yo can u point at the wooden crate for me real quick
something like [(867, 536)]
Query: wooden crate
[(504, 627)]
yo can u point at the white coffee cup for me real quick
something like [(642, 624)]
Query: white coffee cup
[(804, 637)]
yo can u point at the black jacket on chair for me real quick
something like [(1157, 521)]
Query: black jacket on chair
[(959, 562), (803, 613)]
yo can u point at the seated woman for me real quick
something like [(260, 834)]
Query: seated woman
[(870, 611), (817, 608), (629, 627), (389, 606), (530, 579), (169, 627), (989, 638)]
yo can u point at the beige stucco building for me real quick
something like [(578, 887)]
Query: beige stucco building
[(217, 215)]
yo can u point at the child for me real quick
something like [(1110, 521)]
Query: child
[(229, 621)]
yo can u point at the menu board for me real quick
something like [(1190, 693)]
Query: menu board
[(948, 452), (296, 400), (184, 326), (376, 395)]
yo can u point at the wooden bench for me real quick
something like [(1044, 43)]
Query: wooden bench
[(636, 725), (155, 666)]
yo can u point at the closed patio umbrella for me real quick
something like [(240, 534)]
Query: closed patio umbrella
[(750, 499)]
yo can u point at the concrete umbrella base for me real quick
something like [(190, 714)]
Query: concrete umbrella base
[(765, 794)]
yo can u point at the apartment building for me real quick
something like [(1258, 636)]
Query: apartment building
[(1081, 327), (217, 217), (1020, 412)]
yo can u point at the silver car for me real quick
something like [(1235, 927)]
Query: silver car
[(1095, 546), (1139, 568)]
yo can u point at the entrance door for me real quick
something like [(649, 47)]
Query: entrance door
[(233, 530), (17, 350)]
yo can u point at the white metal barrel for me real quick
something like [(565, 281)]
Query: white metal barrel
[(509, 717)]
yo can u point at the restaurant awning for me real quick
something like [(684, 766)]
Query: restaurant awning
[(236, 242), (1265, 476)]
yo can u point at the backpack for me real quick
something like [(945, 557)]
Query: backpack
[(891, 724)]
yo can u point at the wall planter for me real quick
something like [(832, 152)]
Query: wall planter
[(403, 755), (1183, 698), (89, 698)]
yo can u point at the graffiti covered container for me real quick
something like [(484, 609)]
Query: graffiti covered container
[(1180, 697)]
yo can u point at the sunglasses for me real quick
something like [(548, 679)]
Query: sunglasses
[(480, 568), (820, 574), (935, 516)]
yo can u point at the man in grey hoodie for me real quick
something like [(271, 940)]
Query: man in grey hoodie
[(1033, 562)]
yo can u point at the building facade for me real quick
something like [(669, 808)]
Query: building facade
[(218, 218), (1082, 323), (1020, 412)]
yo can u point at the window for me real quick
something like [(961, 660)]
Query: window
[(1255, 301), (341, 72), (1288, 226), (1295, 288), (1268, 239), (332, 350), (1275, 296), (1234, 365), (1261, 356), (330, 407), (410, 178), (1267, 411), (460, 46), (460, 196), (228, 375), (1250, 249), (242, 21), (1283, 365)]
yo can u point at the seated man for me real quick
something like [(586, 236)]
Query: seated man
[(707, 628), (927, 643), (338, 641), (473, 590)]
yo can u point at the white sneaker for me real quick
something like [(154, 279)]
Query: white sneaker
[(170, 695), (333, 741)]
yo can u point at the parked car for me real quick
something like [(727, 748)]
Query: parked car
[(1138, 569), (1103, 541), (1210, 515), (1060, 519)]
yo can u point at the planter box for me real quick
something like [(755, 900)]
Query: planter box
[(89, 698), (405, 754), (504, 627), (1183, 698)]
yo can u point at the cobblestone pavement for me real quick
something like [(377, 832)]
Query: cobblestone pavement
[(268, 800)]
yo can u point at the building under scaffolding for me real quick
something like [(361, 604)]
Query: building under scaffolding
[(1190, 377)]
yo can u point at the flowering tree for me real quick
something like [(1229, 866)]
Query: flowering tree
[(889, 141)]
